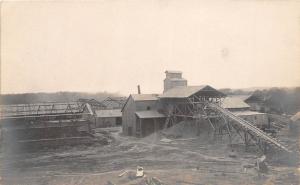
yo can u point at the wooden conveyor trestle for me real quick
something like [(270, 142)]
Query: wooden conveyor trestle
[(248, 127)]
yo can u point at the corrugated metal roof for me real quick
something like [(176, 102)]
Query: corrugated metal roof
[(242, 97), (109, 113), (234, 103), (187, 91), (296, 117), (144, 97), (181, 91), (149, 114)]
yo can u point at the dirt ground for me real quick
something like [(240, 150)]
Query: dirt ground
[(186, 161)]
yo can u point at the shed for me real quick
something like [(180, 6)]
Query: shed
[(257, 101), (240, 108), (234, 104), (108, 118), (149, 121)]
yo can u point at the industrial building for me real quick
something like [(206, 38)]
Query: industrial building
[(258, 101), (143, 114), (54, 124), (139, 109), (106, 113)]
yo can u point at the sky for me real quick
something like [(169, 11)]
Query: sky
[(114, 45)]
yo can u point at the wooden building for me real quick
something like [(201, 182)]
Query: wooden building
[(144, 114), (181, 103), (233, 103), (149, 121), (258, 101), (135, 103), (241, 109), (108, 118)]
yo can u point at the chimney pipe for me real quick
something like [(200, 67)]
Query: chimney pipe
[(139, 89)]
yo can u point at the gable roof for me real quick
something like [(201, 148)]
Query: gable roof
[(187, 91), (108, 113), (257, 96), (144, 97), (141, 97), (149, 114), (234, 103), (242, 97)]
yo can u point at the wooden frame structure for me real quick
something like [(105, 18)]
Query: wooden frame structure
[(222, 121), (45, 111), (45, 122)]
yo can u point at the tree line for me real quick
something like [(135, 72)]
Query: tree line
[(27, 98)]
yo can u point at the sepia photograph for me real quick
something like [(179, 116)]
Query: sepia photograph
[(149, 92)]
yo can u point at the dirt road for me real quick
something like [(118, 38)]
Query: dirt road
[(173, 161)]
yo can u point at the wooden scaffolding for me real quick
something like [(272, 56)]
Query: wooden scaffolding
[(221, 121)]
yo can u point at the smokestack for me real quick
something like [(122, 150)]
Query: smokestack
[(139, 89)]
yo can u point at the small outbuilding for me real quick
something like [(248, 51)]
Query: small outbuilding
[(240, 108), (108, 118), (234, 104), (149, 121), (257, 100)]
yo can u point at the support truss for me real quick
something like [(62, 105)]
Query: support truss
[(222, 121), (44, 110)]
